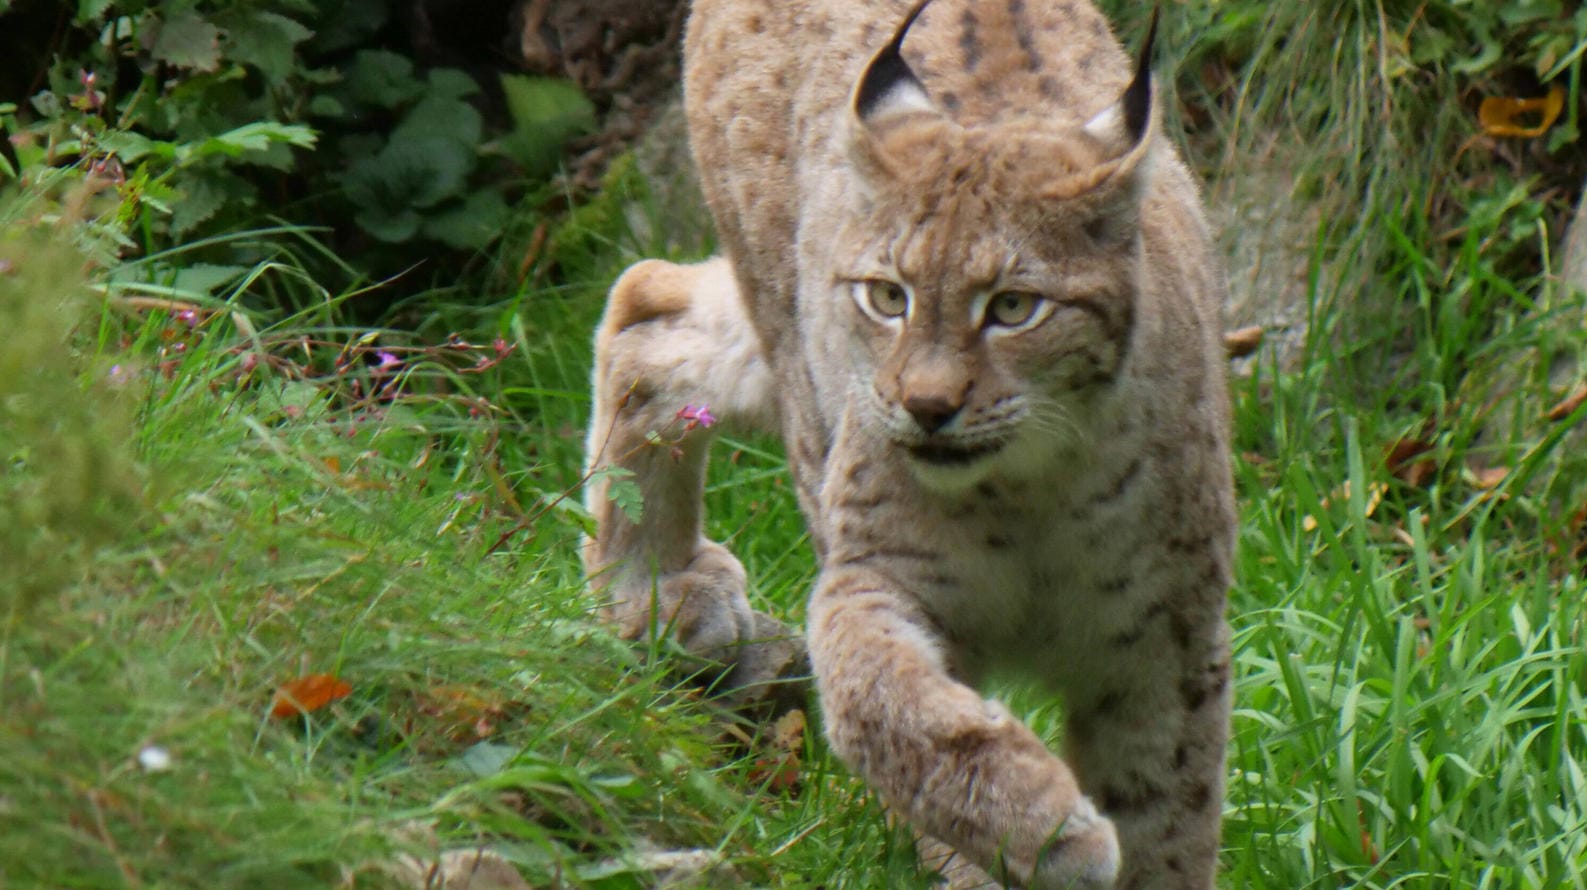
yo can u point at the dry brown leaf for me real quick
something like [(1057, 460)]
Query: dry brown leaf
[(1502, 115), (462, 714), (307, 694), (1569, 404), (1489, 479), (1407, 460), (1375, 492), (1243, 342), (780, 770), (788, 732)]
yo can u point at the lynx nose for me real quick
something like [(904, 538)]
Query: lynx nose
[(931, 412)]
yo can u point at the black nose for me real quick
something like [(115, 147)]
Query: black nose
[(932, 413)]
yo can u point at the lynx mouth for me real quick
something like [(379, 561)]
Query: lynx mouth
[(944, 454)]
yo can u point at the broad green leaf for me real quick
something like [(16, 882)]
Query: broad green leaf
[(203, 194), (130, 146), (326, 106), (394, 228), (470, 224), (438, 117), (187, 40), (266, 40), (382, 78), (256, 136), (90, 10), (409, 173), (546, 113), (450, 83)]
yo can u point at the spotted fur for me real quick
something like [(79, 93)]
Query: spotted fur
[(971, 284)]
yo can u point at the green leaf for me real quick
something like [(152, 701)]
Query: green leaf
[(409, 173), (438, 117), (345, 24), (266, 40), (90, 10), (130, 146), (203, 194), (546, 113), (470, 224), (621, 489), (487, 758), (207, 278), (382, 78), (255, 137), (326, 106), (187, 40), (393, 228), (450, 83)]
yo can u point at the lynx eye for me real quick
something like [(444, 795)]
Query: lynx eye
[(1012, 308), (884, 299)]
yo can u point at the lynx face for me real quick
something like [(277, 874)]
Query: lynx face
[(989, 276)]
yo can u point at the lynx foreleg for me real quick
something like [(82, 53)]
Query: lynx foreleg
[(959, 767), (674, 337), (1152, 750)]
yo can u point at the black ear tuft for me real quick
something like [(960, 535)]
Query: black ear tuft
[(1138, 96), (888, 71)]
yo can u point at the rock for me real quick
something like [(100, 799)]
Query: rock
[(1267, 237), (477, 869)]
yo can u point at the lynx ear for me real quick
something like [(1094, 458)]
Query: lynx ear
[(1125, 123), (888, 85)]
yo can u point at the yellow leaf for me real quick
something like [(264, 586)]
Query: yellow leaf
[(1501, 115)]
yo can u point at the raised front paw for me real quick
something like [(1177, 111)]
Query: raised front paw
[(1083, 855)]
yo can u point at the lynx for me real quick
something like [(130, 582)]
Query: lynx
[(969, 281)]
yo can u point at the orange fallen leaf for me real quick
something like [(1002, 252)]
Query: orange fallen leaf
[(1243, 342), (1569, 404), (306, 694), (1502, 115)]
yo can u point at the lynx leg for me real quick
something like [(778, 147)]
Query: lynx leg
[(959, 767), (1152, 754), (676, 336)]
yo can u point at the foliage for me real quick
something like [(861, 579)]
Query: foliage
[(209, 115)]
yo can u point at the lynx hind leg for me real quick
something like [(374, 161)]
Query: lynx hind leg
[(673, 337), (958, 767)]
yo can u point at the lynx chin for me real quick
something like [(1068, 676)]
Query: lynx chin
[(969, 281)]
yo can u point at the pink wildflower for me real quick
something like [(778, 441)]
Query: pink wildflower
[(188, 317), (700, 416), (387, 360)]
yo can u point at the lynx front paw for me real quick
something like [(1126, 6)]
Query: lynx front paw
[(701, 606), (748, 657), (1084, 855)]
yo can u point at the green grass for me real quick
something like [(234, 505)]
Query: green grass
[(1410, 663)]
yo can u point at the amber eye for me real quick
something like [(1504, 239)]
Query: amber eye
[(887, 299), (1012, 308)]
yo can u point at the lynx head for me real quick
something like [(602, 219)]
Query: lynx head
[(990, 270)]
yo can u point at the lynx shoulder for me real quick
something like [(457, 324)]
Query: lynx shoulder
[(969, 281)]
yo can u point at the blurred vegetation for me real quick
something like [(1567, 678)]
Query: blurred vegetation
[(68, 481), (213, 116)]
